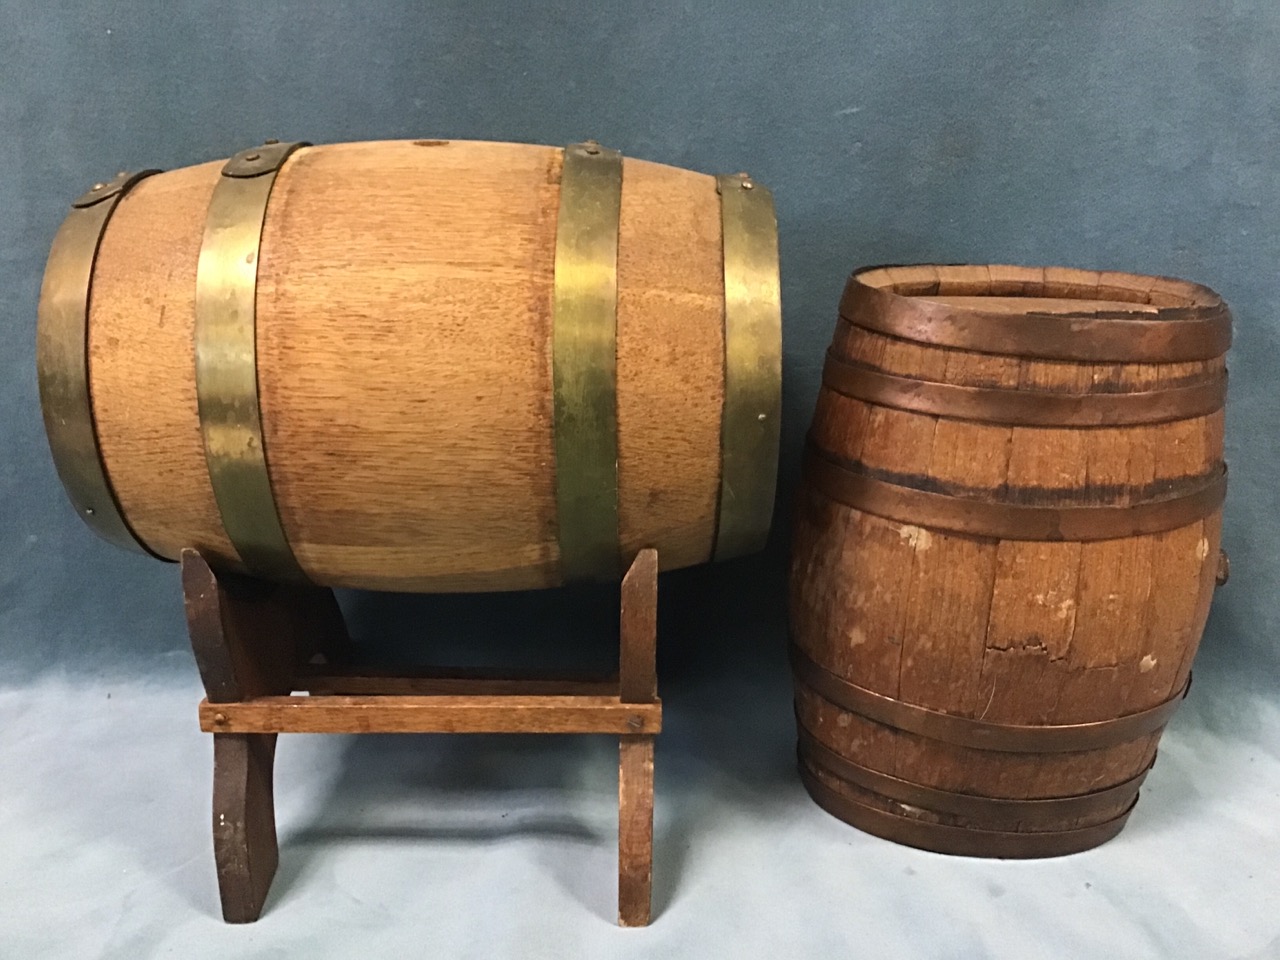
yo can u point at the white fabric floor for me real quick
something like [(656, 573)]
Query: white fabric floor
[(505, 846)]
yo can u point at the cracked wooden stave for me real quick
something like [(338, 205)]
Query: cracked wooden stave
[(1022, 631)]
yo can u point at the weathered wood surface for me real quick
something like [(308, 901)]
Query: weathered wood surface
[(1009, 631)]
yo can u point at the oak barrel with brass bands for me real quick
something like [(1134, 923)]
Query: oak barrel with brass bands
[(418, 365), (1006, 546)]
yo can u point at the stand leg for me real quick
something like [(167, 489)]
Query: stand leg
[(637, 683), (635, 830), (248, 637), (244, 822)]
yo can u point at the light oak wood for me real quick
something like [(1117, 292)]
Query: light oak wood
[(1007, 631), (403, 336)]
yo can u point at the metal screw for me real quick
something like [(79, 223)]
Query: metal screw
[(98, 186), (269, 141), (253, 156), (219, 718), (591, 147), (122, 173), (635, 723), (748, 185), (88, 511)]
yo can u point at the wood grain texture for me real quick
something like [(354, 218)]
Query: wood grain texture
[(1005, 631), (432, 714), (635, 830), (404, 348), (142, 363)]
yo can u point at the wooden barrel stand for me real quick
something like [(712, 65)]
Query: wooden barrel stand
[(257, 643), (427, 366)]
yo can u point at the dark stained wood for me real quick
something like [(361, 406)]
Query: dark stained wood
[(432, 713), (254, 643), (638, 630), (245, 638), (455, 683), (249, 636), (244, 822), (637, 685), (635, 830), (1022, 632)]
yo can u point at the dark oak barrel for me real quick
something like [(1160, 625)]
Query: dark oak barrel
[(1006, 546)]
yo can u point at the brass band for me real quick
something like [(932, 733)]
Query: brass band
[(226, 361), (980, 734), (958, 841), (989, 809), (584, 351), (1023, 408), (1003, 520), (1168, 335), (62, 360), (751, 422)]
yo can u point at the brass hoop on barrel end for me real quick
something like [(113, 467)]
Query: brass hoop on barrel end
[(1167, 335), (227, 361), (62, 361), (584, 363), (751, 419)]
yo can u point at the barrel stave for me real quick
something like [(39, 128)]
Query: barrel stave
[(1004, 630)]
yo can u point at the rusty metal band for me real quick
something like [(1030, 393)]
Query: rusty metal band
[(1170, 335), (62, 361), (980, 734), (967, 804), (1023, 408), (958, 841), (227, 361), (584, 363), (752, 417), (1002, 520)]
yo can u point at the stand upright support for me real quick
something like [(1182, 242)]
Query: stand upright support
[(255, 643)]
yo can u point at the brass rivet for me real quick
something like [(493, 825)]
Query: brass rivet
[(253, 156), (219, 718), (88, 511), (270, 141), (747, 185), (98, 186)]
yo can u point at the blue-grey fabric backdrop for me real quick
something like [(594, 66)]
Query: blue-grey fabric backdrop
[(1139, 135)]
